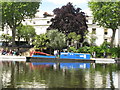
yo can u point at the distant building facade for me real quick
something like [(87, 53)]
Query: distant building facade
[(102, 34), (40, 23)]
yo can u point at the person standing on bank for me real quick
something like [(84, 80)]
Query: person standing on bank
[(56, 53)]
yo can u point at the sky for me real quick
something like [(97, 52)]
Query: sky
[(50, 5)]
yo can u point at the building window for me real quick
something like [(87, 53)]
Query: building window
[(93, 30), (48, 21), (26, 23), (105, 40), (105, 31), (93, 22), (33, 22)]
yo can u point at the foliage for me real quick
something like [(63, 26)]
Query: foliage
[(92, 38), (13, 13), (52, 39), (19, 30), (57, 40), (69, 19), (27, 32), (105, 47), (6, 37), (99, 50), (72, 49), (84, 49), (40, 41), (115, 52), (102, 14), (73, 37)]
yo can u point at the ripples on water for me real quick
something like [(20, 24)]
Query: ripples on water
[(58, 75)]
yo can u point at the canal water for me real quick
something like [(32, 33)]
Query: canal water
[(58, 75)]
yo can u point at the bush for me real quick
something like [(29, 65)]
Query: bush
[(84, 49), (72, 49), (115, 52), (100, 50)]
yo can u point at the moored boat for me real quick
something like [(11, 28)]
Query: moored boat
[(63, 55)]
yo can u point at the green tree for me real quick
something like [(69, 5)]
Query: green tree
[(92, 38), (19, 34), (13, 13), (26, 32), (6, 37), (40, 41), (57, 40), (69, 19), (107, 14), (115, 52), (74, 38)]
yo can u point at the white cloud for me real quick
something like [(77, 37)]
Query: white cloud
[(66, 1)]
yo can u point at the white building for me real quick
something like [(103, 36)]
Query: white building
[(41, 24), (102, 33)]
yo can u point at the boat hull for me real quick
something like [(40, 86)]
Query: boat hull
[(57, 60)]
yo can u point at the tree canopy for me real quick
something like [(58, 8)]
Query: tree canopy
[(107, 14), (74, 38), (26, 32), (13, 13), (57, 40), (53, 39), (69, 19), (5, 37), (40, 41)]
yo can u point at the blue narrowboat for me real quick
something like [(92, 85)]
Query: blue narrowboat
[(63, 55)]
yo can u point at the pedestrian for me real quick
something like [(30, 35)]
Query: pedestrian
[(14, 52), (17, 51), (10, 52), (104, 54), (94, 54), (58, 53), (7, 52), (0, 51), (55, 52), (3, 52)]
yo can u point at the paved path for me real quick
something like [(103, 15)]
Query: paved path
[(12, 58), (37, 59), (104, 60)]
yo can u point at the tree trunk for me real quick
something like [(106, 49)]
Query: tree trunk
[(113, 38), (18, 41), (59, 52), (13, 36)]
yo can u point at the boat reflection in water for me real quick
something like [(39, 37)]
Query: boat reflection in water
[(35, 65), (60, 65), (74, 65)]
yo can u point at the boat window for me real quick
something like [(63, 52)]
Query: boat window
[(65, 55)]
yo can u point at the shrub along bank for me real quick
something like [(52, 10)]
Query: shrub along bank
[(103, 51)]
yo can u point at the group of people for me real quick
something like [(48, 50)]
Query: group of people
[(9, 52)]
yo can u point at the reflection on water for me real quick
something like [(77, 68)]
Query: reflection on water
[(56, 75)]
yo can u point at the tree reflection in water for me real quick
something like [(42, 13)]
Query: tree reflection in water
[(27, 75)]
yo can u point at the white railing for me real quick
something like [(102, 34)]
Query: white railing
[(12, 58)]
